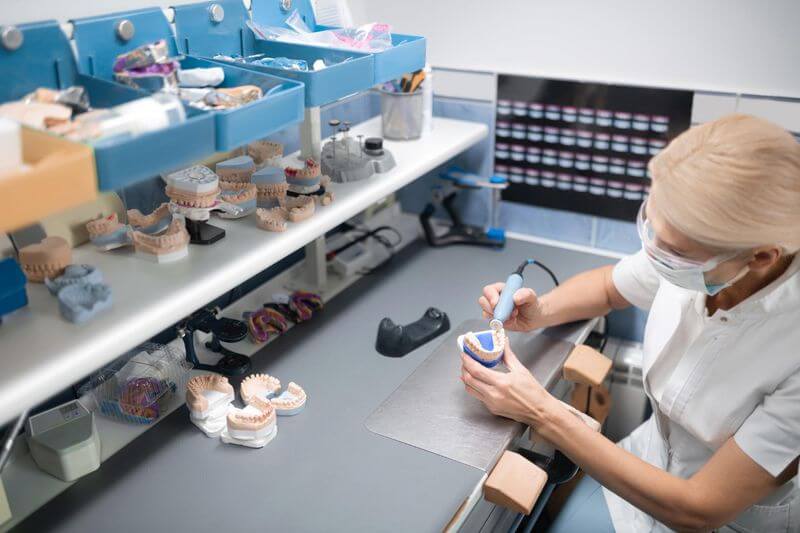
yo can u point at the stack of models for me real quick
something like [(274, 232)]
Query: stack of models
[(210, 397)]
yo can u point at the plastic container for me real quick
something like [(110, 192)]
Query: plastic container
[(602, 141), (517, 152), (137, 387), (501, 171), (552, 112), (622, 120), (564, 182), (551, 135), (580, 184), (619, 143), (519, 108), (503, 129), (586, 115), (549, 158), (566, 159), (617, 166), (547, 179), (501, 151), (533, 155), (567, 137), (402, 115), (504, 107), (532, 177), (583, 162), (569, 114), (584, 138), (638, 146), (597, 186), (518, 131), (536, 111), (535, 133)]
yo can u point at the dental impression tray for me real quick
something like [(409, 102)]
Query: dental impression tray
[(486, 347)]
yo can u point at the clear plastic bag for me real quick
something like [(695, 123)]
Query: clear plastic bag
[(371, 38)]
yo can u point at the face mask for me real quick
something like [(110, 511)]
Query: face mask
[(680, 271)]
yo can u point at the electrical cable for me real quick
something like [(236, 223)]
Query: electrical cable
[(366, 234), (540, 265)]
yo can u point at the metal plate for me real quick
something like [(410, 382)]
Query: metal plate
[(430, 409)]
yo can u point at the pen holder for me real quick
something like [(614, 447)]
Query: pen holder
[(402, 115)]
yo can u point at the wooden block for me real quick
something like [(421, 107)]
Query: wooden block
[(515, 483), (586, 365), (595, 400)]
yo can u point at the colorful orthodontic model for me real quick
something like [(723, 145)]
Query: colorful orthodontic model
[(265, 323)]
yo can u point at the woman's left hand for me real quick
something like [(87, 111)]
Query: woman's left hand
[(515, 394)]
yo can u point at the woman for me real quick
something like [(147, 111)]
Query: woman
[(718, 272)]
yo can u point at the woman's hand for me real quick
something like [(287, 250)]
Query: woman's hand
[(515, 394), (527, 308)]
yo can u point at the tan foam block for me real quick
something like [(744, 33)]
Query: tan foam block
[(515, 483), (598, 400), (586, 365)]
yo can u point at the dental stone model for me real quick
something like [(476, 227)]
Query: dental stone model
[(107, 233), (239, 194), (74, 275), (272, 186), (208, 398), (81, 301), (195, 186), (252, 426), (46, 259), (272, 219), (486, 347), (236, 169), (169, 246), (296, 209), (304, 180), (155, 222), (259, 389), (265, 153)]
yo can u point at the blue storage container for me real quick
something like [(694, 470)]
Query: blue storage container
[(99, 44), (12, 287), (199, 33), (45, 59), (407, 54)]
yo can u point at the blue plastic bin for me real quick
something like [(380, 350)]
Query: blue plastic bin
[(98, 46), (12, 287), (407, 54), (45, 59), (199, 35)]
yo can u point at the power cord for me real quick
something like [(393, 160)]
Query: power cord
[(366, 234)]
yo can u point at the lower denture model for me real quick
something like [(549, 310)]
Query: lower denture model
[(155, 222), (243, 195), (265, 153), (239, 169), (195, 186), (295, 209), (252, 426), (259, 389), (209, 398), (46, 259), (169, 246), (108, 233), (486, 347)]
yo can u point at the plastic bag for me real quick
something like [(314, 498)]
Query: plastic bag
[(373, 37)]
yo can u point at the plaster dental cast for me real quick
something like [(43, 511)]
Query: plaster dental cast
[(718, 274)]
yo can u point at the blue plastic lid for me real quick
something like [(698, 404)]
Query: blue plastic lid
[(498, 180), (496, 234), (13, 279)]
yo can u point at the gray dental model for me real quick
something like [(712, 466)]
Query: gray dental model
[(347, 159)]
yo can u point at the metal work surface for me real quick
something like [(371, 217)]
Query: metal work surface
[(325, 471), (431, 410)]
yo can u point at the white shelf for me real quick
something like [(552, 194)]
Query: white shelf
[(40, 353)]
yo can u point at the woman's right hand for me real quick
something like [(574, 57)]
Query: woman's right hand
[(526, 314)]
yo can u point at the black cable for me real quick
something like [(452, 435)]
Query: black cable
[(540, 265), (366, 235)]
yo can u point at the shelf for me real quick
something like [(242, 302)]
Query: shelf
[(42, 353)]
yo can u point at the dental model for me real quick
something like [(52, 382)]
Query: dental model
[(74, 275), (486, 347), (46, 259), (195, 186), (265, 153), (259, 389), (240, 194), (169, 246), (107, 233), (155, 222), (208, 398), (272, 187), (272, 219), (239, 169), (299, 208), (264, 323), (252, 426), (81, 301), (304, 180)]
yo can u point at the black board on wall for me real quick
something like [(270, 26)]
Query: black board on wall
[(580, 146)]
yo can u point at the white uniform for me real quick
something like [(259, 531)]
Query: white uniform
[(709, 378)]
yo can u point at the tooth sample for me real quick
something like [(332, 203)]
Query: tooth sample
[(304, 180), (290, 401), (155, 222), (208, 398), (486, 347), (167, 247), (46, 259), (107, 233), (257, 388), (253, 427)]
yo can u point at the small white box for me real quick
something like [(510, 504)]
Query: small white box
[(10, 146)]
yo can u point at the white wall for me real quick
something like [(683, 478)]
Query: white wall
[(738, 46)]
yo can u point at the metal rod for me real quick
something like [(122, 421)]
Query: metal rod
[(11, 436)]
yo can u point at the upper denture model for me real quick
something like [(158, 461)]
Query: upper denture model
[(46, 259), (486, 347), (239, 169), (169, 246), (304, 180), (195, 186), (208, 398)]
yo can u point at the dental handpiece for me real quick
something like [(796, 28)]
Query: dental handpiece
[(505, 305)]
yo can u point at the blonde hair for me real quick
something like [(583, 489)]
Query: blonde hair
[(730, 184)]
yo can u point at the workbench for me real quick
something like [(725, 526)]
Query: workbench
[(325, 471)]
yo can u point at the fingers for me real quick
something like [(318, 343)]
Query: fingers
[(511, 361), (524, 296), (477, 371), (486, 307), (492, 293)]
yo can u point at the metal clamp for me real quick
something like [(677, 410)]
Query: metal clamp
[(286, 5), (11, 37), (216, 13), (125, 29)]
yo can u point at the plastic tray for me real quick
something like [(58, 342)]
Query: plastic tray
[(98, 46), (137, 387), (197, 34), (45, 59), (61, 175)]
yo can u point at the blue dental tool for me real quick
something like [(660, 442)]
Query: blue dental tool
[(505, 305)]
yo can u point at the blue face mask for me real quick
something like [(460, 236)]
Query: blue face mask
[(694, 278)]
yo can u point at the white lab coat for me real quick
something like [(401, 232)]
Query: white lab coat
[(734, 374)]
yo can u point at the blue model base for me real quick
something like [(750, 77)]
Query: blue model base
[(12, 287), (486, 340)]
